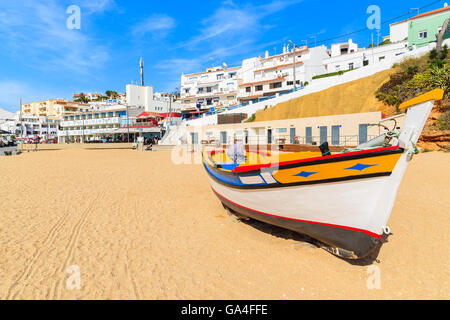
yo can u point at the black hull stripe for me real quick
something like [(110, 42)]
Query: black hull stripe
[(360, 243)]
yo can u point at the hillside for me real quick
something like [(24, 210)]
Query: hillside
[(353, 97)]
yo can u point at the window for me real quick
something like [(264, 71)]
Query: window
[(338, 68), (209, 89), (220, 76), (282, 130), (259, 88), (423, 34), (200, 90), (276, 85), (351, 66), (248, 89), (290, 83), (382, 58)]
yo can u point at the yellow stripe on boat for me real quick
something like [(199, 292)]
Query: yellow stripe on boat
[(437, 94), (336, 170)]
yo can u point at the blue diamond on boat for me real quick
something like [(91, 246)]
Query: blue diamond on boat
[(305, 174), (361, 167)]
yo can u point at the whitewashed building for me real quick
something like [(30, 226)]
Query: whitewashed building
[(145, 97), (271, 75), (216, 87), (343, 60), (29, 126)]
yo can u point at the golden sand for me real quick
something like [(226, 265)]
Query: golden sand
[(353, 97), (139, 227)]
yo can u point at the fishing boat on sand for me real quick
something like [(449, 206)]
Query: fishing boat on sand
[(343, 200)]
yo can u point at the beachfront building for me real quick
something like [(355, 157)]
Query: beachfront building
[(272, 75), (348, 56), (112, 122), (53, 108), (211, 91), (29, 127), (338, 130), (421, 29)]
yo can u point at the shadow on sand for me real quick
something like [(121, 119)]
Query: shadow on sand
[(300, 238)]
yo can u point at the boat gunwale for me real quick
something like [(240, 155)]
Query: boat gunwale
[(254, 169)]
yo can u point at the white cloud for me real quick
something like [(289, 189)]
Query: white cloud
[(158, 25), (231, 23), (35, 33)]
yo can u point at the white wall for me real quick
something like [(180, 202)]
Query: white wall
[(389, 52), (139, 96), (399, 31)]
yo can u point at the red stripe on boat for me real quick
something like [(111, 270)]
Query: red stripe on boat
[(268, 165), (291, 219)]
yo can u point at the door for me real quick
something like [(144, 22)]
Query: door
[(246, 136), (323, 134), (292, 135), (335, 135), (363, 133), (223, 137), (194, 138), (269, 136), (308, 135)]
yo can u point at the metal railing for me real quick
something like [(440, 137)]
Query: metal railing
[(282, 139)]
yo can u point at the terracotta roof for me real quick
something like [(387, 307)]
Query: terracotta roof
[(206, 72), (425, 14), (280, 66), (251, 97), (265, 81), (302, 50)]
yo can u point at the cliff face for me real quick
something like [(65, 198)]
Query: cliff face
[(353, 97), (436, 135)]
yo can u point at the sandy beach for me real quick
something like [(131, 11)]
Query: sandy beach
[(136, 226)]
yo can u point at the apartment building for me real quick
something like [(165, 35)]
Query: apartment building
[(110, 122), (271, 75), (53, 108), (215, 88), (29, 126)]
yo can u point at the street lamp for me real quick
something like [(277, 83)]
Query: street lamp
[(295, 77)]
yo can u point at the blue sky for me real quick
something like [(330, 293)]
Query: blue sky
[(40, 58)]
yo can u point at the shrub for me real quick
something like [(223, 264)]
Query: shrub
[(444, 121), (252, 118)]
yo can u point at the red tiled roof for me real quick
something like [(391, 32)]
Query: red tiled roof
[(251, 97), (265, 81), (425, 14), (280, 66), (160, 115)]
